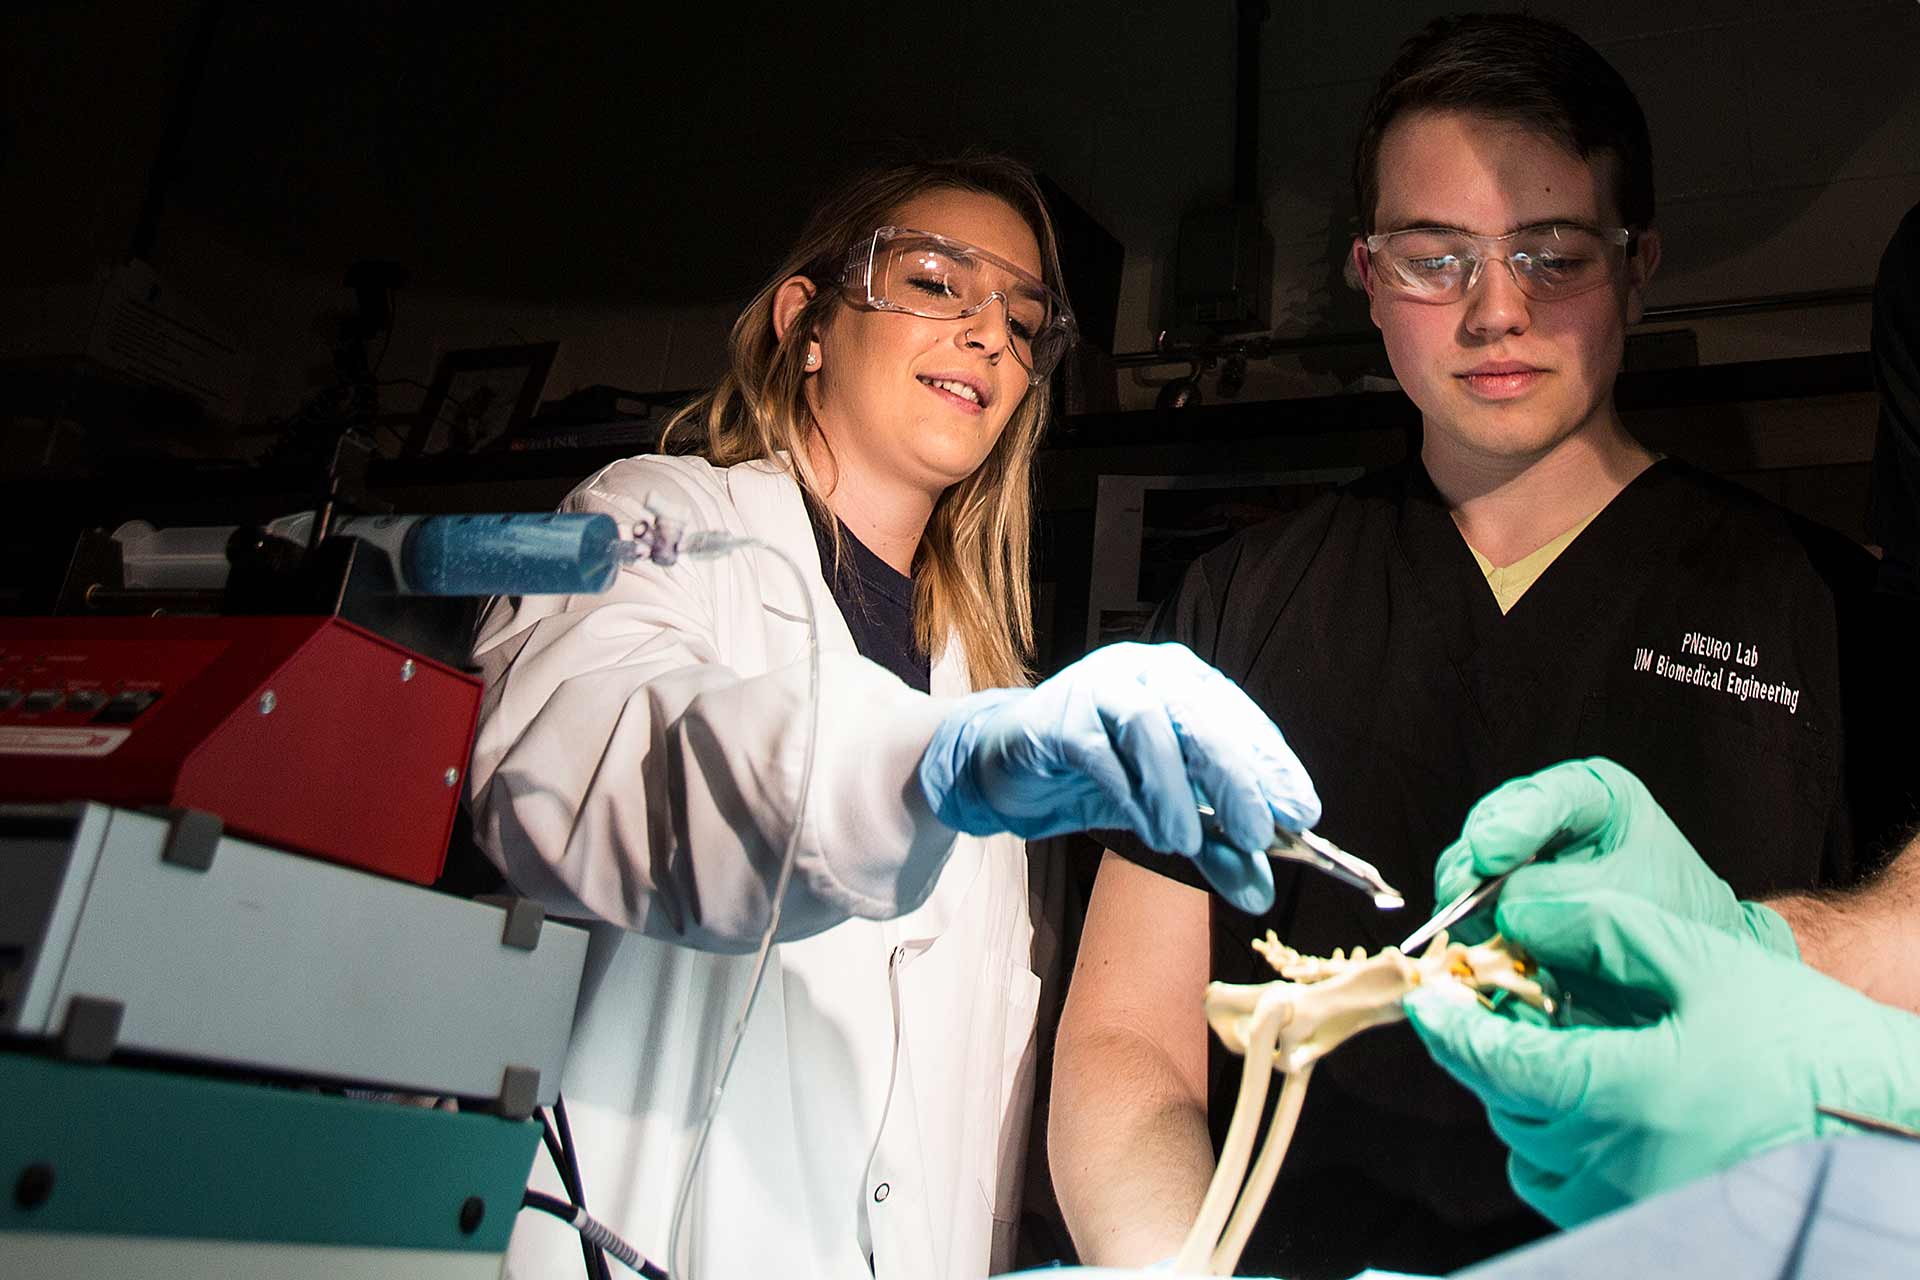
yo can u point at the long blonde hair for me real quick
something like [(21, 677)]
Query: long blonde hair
[(970, 574)]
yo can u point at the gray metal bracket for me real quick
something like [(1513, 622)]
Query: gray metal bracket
[(519, 1092), (524, 919), (92, 1028), (192, 837)]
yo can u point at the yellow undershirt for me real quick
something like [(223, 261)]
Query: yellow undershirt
[(1510, 582)]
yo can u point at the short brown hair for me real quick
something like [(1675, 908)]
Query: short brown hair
[(1519, 69)]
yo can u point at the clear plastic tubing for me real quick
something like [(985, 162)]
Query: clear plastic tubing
[(524, 554)]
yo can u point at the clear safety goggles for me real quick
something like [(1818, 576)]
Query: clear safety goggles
[(1547, 263), (936, 276)]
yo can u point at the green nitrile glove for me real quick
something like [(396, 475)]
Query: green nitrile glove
[(1750, 1045), (1596, 827)]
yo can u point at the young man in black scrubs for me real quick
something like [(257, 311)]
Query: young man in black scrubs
[(1535, 586)]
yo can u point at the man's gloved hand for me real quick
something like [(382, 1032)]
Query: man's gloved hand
[(1596, 827), (1126, 737), (1750, 1043)]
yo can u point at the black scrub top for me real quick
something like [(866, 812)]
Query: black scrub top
[(1692, 633)]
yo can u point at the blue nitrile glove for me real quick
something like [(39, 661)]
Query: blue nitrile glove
[(1596, 827), (1750, 1043), (1126, 737)]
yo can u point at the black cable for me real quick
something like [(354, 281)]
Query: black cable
[(566, 1145), (579, 1187), (557, 1154), (591, 1228), (547, 1204), (590, 1255)]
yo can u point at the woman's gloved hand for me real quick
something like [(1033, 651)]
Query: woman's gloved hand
[(1595, 827), (1750, 1044), (1126, 737)]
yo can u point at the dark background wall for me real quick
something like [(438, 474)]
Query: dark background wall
[(617, 176)]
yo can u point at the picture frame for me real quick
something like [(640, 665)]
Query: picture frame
[(480, 398)]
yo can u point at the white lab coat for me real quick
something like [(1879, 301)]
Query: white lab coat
[(637, 763)]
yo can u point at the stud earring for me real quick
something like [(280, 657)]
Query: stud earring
[(812, 359)]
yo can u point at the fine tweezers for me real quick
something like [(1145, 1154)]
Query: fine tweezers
[(1457, 910), (1323, 855)]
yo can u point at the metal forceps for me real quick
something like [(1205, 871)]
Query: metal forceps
[(1323, 855), (1457, 910)]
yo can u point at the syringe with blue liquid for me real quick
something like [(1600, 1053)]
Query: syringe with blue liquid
[(526, 553)]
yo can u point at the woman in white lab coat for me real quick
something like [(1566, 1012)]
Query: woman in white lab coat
[(640, 752)]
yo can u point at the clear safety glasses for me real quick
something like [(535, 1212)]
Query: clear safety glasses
[(1548, 263), (924, 274)]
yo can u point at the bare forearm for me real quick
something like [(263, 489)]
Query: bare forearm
[(1868, 938), (1128, 1146)]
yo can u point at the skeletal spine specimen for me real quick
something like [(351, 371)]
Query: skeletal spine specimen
[(1291, 1024)]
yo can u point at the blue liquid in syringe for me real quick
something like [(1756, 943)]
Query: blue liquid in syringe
[(546, 553)]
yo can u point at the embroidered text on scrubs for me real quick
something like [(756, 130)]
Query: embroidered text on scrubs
[(1696, 673), (1705, 646), (1746, 687), (1708, 675), (1702, 645)]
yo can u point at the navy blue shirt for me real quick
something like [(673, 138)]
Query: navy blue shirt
[(876, 600)]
